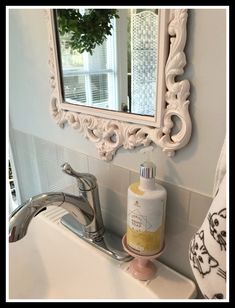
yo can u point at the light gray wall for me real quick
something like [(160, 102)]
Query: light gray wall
[(194, 166)]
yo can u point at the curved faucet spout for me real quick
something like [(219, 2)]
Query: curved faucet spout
[(20, 218)]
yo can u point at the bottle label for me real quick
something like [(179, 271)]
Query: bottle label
[(145, 224)]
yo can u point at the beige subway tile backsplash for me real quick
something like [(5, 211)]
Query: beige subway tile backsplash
[(100, 169), (134, 177), (114, 223), (199, 206), (177, 201), (178, 236), (114, 177), (113, 202), (78, 161), (118, 179)]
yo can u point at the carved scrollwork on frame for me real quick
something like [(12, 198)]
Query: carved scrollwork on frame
[(109, 135)]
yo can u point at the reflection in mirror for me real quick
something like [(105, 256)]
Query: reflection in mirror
[(108, 58), (97, 75)]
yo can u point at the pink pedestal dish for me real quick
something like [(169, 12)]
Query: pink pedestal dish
[(141, 267)]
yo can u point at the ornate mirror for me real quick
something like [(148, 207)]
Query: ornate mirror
[(113, 76)]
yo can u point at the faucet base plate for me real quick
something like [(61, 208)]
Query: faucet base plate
[(110, 243)]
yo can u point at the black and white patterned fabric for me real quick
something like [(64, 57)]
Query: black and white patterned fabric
[(207, 249)]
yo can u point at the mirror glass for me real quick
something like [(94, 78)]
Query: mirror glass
[(108, 58)]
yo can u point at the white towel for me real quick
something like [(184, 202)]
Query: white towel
[(220, 169), (207, 249)]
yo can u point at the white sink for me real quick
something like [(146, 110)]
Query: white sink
[(51, 262)]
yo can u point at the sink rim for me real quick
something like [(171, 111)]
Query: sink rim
[(53, 218)]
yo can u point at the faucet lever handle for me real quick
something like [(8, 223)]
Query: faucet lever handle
[(86, 181)]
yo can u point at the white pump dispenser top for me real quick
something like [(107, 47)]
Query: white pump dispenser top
[(147, 176), (148, 170)]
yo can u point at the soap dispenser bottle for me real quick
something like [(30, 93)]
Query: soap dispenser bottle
[(146, 207)]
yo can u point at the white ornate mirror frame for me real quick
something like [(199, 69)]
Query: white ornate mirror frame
[(110, 130)]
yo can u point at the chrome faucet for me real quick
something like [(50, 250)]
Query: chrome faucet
[(21, 216), (84, 217), (88, 188)]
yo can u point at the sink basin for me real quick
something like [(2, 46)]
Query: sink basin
[(51, 262)]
